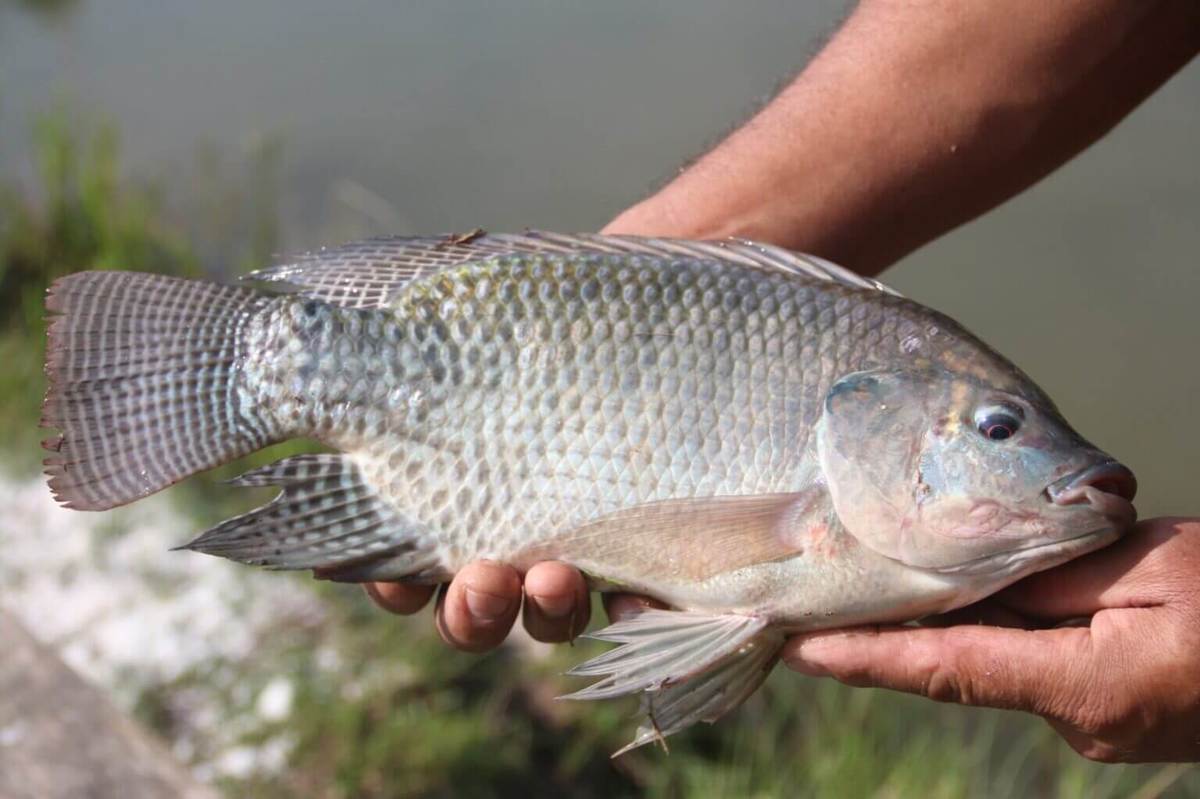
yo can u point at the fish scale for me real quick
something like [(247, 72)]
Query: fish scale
[(582, 414), (760, 439)]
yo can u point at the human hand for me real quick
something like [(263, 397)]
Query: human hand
[(1124, 688), (476, 610)]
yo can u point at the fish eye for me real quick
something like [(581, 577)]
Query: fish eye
[(998, 422)]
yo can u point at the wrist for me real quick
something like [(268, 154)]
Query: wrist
[(680, 212), (660, 215), (686, 211)]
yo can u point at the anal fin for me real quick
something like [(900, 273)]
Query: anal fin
[(326, 518), (688, 666)]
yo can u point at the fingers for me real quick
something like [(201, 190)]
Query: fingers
[(1044, 671), (399, 597), (620, 606), (987, 611), (1143, 569), (557, 604), (476, 611)]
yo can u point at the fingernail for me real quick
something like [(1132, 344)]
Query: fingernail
[(555, 606), (808, 656), (485, 606)]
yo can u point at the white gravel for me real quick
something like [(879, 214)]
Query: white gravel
[(132, 617)]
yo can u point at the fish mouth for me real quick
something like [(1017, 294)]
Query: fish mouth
[(1108, 487), (1064, 549)]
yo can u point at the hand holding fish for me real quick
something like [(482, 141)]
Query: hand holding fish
[(477, 609), (1120, 688), (767, 442), (794, 177)]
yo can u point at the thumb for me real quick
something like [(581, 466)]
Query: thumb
[(1048, 672)]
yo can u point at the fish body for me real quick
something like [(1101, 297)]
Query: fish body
[(760, 439)]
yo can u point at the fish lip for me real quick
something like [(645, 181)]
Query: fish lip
[(1090, 475), (1081, 487), (974, 566)]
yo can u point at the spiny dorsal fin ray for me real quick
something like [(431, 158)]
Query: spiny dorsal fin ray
[(326, 517), (365, 274)]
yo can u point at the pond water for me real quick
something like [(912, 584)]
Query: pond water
[(406, 117)]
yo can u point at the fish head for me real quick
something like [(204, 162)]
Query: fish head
[(955, 474)]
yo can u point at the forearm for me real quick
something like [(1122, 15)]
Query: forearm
[(918, 117)]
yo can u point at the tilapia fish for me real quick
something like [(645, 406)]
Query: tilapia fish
[(760, 439)]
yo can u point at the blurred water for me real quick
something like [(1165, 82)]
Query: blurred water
[(407, 117)]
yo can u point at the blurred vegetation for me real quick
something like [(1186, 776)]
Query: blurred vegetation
[(399, 714), (52, 9), (82, 214), (78, 216), (404, 716)]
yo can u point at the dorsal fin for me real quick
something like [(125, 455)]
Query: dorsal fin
[(365, 274)]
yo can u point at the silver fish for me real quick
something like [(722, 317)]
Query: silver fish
[(761, 439)]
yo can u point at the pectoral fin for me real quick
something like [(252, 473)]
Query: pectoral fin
[(689, 539), (689, 666)]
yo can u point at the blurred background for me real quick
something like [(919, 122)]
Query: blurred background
[(200, 138)]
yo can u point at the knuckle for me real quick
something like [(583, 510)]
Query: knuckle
[(1125, 716), (1098, 751), (1109, 717), (948, 677), (945, 686), (1118, 709), (1097, 718)]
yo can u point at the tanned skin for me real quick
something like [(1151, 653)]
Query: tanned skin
[(916, 118)]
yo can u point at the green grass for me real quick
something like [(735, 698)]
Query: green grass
[(424, 721), (81, 219), (405, 716)]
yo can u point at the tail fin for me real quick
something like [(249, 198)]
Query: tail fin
[(143, 372)]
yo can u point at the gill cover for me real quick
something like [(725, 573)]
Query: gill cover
[(870, 439)]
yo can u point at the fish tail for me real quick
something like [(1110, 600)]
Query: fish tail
[(143, 374)]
